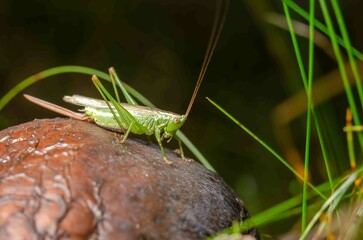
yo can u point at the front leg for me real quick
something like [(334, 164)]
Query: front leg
[(157, 136), (181, 150), (127, 133)]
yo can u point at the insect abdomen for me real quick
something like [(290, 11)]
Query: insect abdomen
[(104, 119)]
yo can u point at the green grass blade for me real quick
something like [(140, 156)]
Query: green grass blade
[(291, 205), (285, 209), (308, 88), (278, 212), (320, 26), (281, 159), (343, 72), (310, 106), (348, 45), (45, 74), (306, 85), (65, 69)]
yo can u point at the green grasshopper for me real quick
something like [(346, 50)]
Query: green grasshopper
[(111, 113)]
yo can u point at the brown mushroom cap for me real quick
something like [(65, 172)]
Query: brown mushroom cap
[(68, 179)]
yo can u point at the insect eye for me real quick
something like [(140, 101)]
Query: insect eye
[(176, 120)]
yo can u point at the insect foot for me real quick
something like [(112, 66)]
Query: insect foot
[(118, 137), (167, 161), (179, 151), (81, 175)]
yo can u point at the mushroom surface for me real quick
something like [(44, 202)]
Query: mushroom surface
[(67, 179)]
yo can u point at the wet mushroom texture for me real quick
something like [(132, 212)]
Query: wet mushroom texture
[(67, 179)]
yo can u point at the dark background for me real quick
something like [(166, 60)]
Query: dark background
[(157, 46)]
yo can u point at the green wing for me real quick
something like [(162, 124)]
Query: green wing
[(124, 117)]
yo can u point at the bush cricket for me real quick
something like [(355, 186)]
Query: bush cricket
[(111, 113)]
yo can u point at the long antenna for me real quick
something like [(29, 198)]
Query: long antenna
[(219, 18)]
